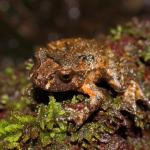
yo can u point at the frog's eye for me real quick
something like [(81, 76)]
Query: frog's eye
[(87, 58), (65, 75)]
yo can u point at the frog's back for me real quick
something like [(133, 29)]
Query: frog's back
[(76, 52)]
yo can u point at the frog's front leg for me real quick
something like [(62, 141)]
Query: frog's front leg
[(93, 103), (130, 89)]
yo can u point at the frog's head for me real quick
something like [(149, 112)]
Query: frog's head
[(56, 68)]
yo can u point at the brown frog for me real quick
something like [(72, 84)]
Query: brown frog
[(78, 64)]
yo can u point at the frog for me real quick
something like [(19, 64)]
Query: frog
[(78, 64)]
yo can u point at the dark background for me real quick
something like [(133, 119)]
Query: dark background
[(25, 24)]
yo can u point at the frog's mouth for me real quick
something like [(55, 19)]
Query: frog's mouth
[(56, 85), (42, 96)]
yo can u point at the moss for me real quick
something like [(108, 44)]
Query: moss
[(13, 89), (52, 122), (146, 54), (9, 71), (4, 99), (117, 32), (15, 104), (49, 125), (47, 115), (147, 90), (12, 140), (77, 98), (91, 132), (29, 64), (11, 130)]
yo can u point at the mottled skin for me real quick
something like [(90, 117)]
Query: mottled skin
[(78, 64)]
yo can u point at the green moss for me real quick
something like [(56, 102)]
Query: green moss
[(15, 104), (45, 138), (13, 139), (146, 54), (49, 125), (47, 114), (117, 33), (22, 119), (29, 64), (51, 118), (11, 130), (77, 98), (13, 89), (4, 99), (147, 89), (91, 132), (116, 103), (9, 71)]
